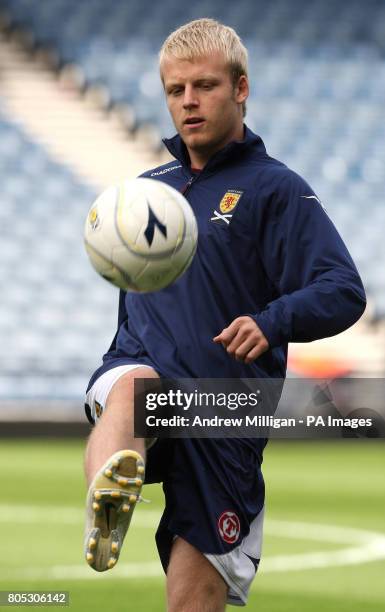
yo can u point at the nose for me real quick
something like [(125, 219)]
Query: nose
[(190, 99)]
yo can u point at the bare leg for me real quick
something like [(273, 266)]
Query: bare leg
[(193, 584), (115, 489), (115, 429)]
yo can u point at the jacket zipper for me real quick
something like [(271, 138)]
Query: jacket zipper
[(187, 186)]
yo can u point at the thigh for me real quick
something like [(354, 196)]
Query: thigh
[(193, 584), (114, 385)]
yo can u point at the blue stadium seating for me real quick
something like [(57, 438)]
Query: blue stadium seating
[(317, 73), (57, 315)]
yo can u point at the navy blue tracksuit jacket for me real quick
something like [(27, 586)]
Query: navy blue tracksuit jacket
[(266, 248)]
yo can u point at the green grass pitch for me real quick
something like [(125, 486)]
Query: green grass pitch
[(324, 546)]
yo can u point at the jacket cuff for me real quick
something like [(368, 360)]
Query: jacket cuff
[(270, 331)]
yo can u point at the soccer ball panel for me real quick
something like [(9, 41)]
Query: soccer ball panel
[(141, 235), (149, 220), (108, 270)]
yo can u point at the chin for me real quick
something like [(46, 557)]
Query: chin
[(195, 143), (198, 140)]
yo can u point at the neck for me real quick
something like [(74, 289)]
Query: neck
[(200, 157)]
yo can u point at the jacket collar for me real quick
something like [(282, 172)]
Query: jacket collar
[(178, 149)]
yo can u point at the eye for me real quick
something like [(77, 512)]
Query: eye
[(175, 91)]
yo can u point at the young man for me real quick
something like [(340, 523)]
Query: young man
[(270, 268)]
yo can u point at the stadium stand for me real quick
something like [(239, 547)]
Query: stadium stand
[(52, 300), (318, 84), (317, 73)]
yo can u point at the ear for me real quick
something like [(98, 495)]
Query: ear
[(242, 89)]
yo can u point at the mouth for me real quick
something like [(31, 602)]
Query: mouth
[(194, 122)]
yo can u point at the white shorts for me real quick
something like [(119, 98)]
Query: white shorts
[(96, 397), (239, 566)]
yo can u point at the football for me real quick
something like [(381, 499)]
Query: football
[(141, 235)]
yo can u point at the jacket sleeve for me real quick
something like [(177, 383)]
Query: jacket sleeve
[(318, 291)]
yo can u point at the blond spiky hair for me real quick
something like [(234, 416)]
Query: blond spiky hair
[(202, 37)]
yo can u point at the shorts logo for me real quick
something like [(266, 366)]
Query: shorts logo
[(229, 200), (229, 527), (98, 410)]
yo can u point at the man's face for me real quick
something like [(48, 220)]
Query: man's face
[(204, 104)]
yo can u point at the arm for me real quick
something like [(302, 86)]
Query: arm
[(318, 290)]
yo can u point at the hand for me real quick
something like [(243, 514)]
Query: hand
[(243, 339)]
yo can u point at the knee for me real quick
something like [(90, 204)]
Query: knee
[(124, 388), (193, 584), (201, 596)]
